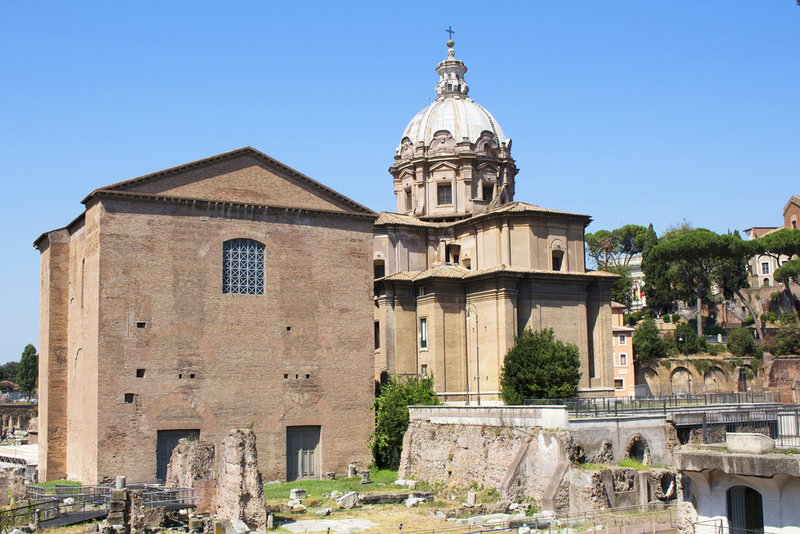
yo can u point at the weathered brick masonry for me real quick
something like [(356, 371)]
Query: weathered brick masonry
[(138, 337)]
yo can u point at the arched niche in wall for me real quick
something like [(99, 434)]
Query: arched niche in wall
[(558, 255)]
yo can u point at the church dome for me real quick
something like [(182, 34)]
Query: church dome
[(452, 111)]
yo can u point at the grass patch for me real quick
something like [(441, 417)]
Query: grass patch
[(591, 467), (789, 451), (638, 465), (277, 493)]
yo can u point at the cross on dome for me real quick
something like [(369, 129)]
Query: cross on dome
[(451, 73)]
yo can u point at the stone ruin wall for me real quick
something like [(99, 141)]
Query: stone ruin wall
[(526, 463)]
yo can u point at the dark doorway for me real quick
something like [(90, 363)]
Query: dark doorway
[(167, 441), (302, 455), (745, 510)]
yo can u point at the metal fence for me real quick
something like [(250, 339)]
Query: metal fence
[(719, 526), (660, 405), (643, 519), (782, 425)]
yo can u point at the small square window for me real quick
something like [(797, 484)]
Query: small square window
[(129, 398), (488, 192), (285, 376), (308, 375), (619, 384), (445, 194), (140, 373), (141, 324), (622, 339), (623, 359), (180, 376), (192, 375)]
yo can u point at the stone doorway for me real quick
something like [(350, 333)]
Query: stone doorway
[(302, 452), (167, 441)]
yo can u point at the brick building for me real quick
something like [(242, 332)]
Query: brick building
[(200, 298), (462, 267)]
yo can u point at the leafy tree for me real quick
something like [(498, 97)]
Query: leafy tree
[(687, 340), (8, 371), (539, 366), (732, 272), (391, 415), (647, 342), (789, 272), (657, 287), (28, 371), (741, 343), (622, 288), (615, 248), (784, 242), (787, 339), (697, 255), (601, 247)]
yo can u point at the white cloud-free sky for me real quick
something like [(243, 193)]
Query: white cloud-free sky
[(630, 111)]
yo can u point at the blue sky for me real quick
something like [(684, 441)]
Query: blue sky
[(630, 111)]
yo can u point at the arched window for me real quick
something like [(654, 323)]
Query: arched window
[(745, 510), (243, 267)]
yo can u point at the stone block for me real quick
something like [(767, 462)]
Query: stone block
[(297, 494), (119, 495), (298, 509), (240, 492), (748, 443), (471, 497), (323, 511), (116, 506), (238, 527), (195, 524), (348, 500), (351, 471)]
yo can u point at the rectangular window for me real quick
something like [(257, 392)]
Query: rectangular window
[(409, 206), (488, 192), (445, 194), (622, 339), (377, 335), (623, 359), (619, 383), (424, 370), (423, 334), (765, 268)]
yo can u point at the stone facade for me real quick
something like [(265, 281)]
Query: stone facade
[(459, 241), (138, 336)]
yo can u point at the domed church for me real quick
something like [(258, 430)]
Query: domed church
[(461, 267)]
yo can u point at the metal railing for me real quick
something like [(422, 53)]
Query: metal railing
[(170, 497), (661, 405), (720, 526), (782, 425), (644, 519), (98, 494)]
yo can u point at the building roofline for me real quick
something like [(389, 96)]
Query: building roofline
[(226, 156)]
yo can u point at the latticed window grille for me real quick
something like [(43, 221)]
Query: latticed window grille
[(243, 267)]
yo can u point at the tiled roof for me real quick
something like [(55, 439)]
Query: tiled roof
[(453, 271), (385, 217)]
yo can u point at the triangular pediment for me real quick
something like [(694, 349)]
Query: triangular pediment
[(243, 176)]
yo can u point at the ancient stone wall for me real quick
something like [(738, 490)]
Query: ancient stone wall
[(193, 466), (240, 492)]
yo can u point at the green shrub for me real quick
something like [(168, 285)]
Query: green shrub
[(647, 341), (715, 349), (666, 318), (769, 317), (676, 317), (786, 340), (686, 340), (775, 296), (702, 366), (632, 318), (747, 321)]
